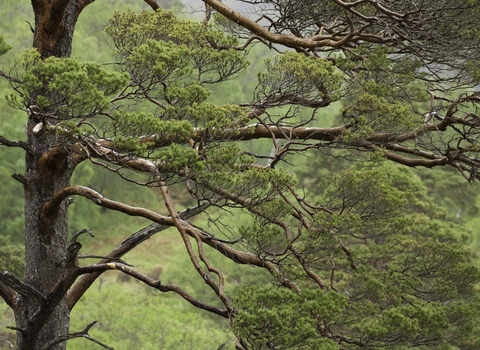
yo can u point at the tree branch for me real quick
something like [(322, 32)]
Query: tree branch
[(155, 284), (81, 4), (182, 229), (7, 294), (153, 4), (10, 78), (283, 39), (20, 144), (9, 280), (82, 285), (81, 334), (51, 206)]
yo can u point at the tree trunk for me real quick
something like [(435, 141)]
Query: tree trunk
[(48, 170), (45, 246)]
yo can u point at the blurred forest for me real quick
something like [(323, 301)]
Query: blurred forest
[(151, 320)]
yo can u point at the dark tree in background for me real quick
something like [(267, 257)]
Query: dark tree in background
[(361, 260)]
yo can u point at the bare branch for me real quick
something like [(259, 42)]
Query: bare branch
[(182, 229), (155, 284), (76, 235), (20, 178), (10, 78), (7, 294), (90, 256), (52, 205), (153, 4), (80, 334), (284, 39), (127, 245), (18, 286), (20, 144)]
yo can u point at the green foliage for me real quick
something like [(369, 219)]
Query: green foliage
[(136, 125), (387, 249), (175, 159), (169, 62), (296, 77), (65, 87), (278, 317), (168, 47), (253, 188), (392, 267), (372, 114), (4, 47)]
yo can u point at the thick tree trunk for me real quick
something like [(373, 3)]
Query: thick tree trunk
[(54, 26), (45, 246), (48, 169)]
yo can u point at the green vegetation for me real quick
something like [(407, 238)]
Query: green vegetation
[(310, 199)]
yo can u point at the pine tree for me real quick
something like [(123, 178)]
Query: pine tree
[(358, 259)]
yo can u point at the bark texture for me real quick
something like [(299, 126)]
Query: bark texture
[(48, 170)]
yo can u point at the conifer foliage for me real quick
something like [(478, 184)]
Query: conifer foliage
[(359, 258)]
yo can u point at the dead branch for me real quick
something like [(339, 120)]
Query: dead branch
[(10, 280), (7, 294), (20, 144), (80, 334)]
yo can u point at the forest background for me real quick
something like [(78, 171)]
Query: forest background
[(149, 319)]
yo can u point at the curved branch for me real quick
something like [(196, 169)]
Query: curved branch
[(153, 283), (288, 40), (82, 285), (153, 4), (284, 39), (52, 205), (182, 229)]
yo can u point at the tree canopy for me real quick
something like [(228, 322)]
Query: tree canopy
[(358, 254)]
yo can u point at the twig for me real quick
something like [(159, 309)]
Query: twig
[(80, 334), (76, 235), (10, 78)]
